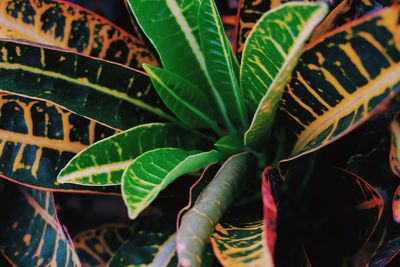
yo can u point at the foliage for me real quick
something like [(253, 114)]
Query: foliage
[(310, 89)]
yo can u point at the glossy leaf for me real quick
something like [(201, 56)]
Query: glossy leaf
[(110, 93), (179, 21), (95, 247), (270, 54), (183, 98), (33, 236), (342, 80), (68, 26), (37, 139), (395, 147), (396, 205), (220, 62), (199, 222), (104, 162), (154, 170)]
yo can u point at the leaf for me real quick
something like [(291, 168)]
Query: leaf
[(32, 235), (220, 60), (178, 19), (387, 252), (154, 170), (104, 162), (244, 241), (96, 246), (395, 147), (68, 26), (229, 144), (37, 139), (396, 205), (341, 81), (249, 12), (110, 93), (183, 98), (270, 54), (199, 222)]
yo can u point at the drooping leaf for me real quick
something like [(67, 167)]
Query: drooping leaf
[(179, 21), (154, 170), (395, 147), (270, 54), (110, 93), (247, 241), (183, 98), (104, 162), (220, 61), (396, 205), (37, 139), (329, 212), (68, 26), (199, 222), (95, 247), (32, 235), (342, 80)]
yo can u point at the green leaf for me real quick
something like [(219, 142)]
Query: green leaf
[(341, 81), (178, 19), (270, 54), (154, 170), (183, 98), (110, 93), (395, 146), (199, 222), (104, 162), (230, 144), (48, 22), (32, 234), (37, 139), (219, 60)]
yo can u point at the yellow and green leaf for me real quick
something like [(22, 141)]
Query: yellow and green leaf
[(154, 170), (104, 162), (110, 93), (37, 139), (68, 26), (32, 235), (342, 80), (270, 54)]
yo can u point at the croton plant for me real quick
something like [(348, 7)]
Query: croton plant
[(276, 144)]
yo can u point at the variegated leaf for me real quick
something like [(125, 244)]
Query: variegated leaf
[(110, 93), (396, 205), (395, 146), (37, 139), (33, 236), (68, 26), (153, 171), (342, 80), (104, 162), (270, 54)]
